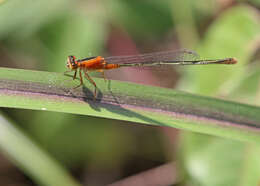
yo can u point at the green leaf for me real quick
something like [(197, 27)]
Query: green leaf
[(125, 101)]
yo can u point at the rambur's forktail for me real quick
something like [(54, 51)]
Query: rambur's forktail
[(98, 63)]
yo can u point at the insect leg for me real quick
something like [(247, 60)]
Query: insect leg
[(103, 74), (92, 82), (75, 75), (65, 73), (81, 79)]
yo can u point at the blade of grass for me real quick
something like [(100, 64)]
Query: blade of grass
[(30, 158), (126, 101)]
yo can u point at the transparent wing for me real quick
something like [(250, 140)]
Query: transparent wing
[(150, 58)]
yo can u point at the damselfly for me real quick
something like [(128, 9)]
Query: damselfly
[(98, 63)]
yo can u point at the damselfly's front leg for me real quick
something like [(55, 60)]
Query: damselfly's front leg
[(74, 77), (80, 76), (92, 82), (65, 73), (75, 73)]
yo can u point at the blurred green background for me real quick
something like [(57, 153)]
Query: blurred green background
[(41, 34)]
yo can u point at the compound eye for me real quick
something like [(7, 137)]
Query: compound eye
[(71, 60)]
